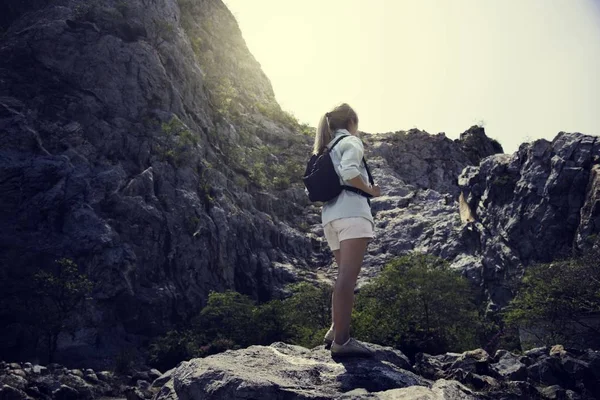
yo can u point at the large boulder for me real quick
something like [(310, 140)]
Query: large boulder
[(285, 371)]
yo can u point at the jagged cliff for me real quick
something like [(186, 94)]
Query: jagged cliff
[(142, 140), (139, 139)]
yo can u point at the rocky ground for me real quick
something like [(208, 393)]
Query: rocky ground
[(282, 371), (20, 381)]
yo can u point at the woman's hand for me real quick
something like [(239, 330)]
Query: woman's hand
[(375, 191)]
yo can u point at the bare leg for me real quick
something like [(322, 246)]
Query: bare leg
[(352, 252), (336, 254)]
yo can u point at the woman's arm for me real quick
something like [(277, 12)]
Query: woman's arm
[(352, 155)]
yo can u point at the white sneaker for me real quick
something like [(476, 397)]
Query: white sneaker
[(352, 348)]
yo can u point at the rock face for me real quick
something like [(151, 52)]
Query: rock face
[(532, 206), (419, 209), (119, 150), (292, 372)]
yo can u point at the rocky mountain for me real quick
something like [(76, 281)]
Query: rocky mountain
[(142, 140)]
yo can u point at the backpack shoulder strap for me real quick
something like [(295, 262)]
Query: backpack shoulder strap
[(371, 181), (337, 141)]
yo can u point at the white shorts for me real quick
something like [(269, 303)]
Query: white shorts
[(347, 228)]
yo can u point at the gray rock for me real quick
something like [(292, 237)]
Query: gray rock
[(19, 372), (66, 393), (154, 374), (509, 367), (281, 369), (477, 145), (40, 370), (537, 352), (163, 379), (435, 366), (15, 381), (529, 206), (546, 372), (105, 376), (440, 390), (134, 394), (553, 392), (11, 393), (76, 372)]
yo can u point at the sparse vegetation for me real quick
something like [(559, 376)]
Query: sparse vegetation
[(273, 111), (556, 300), (417, 304), (176, 141), (37, 305)]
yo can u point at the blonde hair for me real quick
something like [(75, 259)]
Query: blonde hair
[(338, 118)]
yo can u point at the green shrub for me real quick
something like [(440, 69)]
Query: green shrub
[(554, 300), (307, 314), (39, 304), (228, 315), (273, 111), (307, 130), (418, 304), (60, 293), (175, 346), (176, 141)]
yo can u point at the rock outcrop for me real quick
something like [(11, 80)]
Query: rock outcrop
[(285, 371), (139, 139), (535, 205), (419, 209)]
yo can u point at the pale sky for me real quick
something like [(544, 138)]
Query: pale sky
[(526, 68)]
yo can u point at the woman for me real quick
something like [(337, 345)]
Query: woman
[(347, 222)]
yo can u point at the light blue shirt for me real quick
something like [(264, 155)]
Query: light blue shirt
[(347, 158)]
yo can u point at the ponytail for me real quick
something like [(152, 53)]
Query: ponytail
[(323, 135)]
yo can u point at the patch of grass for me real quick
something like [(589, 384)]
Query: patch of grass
[(176, 141)]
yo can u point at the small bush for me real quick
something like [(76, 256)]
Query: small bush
[(418, 304), (307, 314), (228, 315), (167, 351), (176, 141), (273, 111), (555, 300)]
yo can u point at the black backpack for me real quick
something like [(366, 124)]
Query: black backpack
[(321, 180)]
